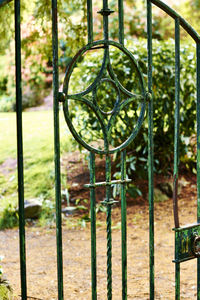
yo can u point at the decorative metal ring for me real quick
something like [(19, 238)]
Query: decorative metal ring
[(118, 106), (93, 46)]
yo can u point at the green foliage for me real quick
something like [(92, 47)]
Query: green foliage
[(82, 222), (135, 21), (36, 30), (5, 288), (36, 36), (133, 191), (48, 215), (190, 9), (6, 26), (34, 84), (38, 156), (9, 218), (4, 292), (164, 95), (100, 208)]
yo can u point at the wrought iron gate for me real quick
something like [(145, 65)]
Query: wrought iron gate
[(186, 238)]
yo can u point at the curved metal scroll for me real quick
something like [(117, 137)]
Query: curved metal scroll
[(93, 105)]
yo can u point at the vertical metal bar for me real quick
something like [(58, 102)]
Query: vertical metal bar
[(198, 160), (177, 278), (123, 226), (93, 227), (121, 21), (105, 20), (176, 145), (89, 21), (105, 4), (177, 272), (150, 151), (57, 150), (20, 150), (177, 120), (109, 230)]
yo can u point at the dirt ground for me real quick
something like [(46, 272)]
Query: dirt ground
[(41, 255)]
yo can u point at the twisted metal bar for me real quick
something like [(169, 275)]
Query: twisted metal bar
[(109, 230), (123, 225), (109, 253), (93, 226)]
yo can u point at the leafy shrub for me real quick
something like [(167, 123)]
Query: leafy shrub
[(47, 216), (164, 102), (6, 103), (36, 41), (5, 288), (34, 79), (4, 292), (9, 218)]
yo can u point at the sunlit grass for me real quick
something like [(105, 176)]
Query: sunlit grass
[(38, 142)]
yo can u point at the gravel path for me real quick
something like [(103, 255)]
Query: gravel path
[(41, 256)]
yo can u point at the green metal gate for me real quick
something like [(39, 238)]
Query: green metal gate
[(186, 238)]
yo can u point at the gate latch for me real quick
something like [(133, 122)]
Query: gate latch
[(187, 242), (196, 244)]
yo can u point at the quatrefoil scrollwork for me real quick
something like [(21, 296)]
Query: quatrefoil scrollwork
[(118, 106)]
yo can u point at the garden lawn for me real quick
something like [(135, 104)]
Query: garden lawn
[(38, 140)]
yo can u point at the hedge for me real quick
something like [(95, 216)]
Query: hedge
[(164, 102)]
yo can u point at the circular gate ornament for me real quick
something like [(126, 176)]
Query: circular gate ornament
[(118, 106)]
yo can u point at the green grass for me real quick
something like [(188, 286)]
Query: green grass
[(38, 142)]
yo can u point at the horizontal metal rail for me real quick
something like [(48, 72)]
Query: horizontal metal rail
[(104, 183)]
